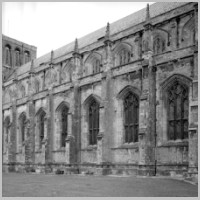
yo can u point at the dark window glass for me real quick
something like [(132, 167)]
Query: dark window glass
[(93, 122), (124, 57), (96, 66), (42, 119), (177, 112), (8, 56), (131, 112), (64, 119), (159, 45), (7, 123), (26, 57), (23, 120), (17, 58)]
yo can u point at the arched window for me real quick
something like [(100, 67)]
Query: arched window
[(26, 57), (96, 66), (131, 115), (158, 45), (7, 124), (41, 127), (93, 122), (17, 57), (124, 57), (8, 56), (36, 85), (64, 125), (22, 124), (177, 111), (23, 91)]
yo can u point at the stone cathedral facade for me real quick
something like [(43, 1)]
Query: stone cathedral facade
[(120, 100)]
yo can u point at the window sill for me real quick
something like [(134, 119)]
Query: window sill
[(174, 143), (128, 146), (90, 148), (62, 149)]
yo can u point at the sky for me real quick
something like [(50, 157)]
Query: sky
[(51, 25)]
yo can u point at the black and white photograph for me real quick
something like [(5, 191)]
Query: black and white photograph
[(100, 99)]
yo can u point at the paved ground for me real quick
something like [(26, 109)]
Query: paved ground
[(40, 185)]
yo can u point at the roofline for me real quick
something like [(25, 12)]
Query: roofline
[(17, 41)]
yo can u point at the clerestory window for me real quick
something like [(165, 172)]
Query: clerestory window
[(124, 57)]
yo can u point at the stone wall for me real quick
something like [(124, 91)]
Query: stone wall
[(161, 51)]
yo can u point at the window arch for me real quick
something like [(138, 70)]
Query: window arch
[(22, 126), (8, 55), (177, 111), (158, 45), (93, 121), (17, 57), (122, 54), (93, 63), (131, 117), (62, 127), (26, 57)]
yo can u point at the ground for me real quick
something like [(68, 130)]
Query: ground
[(41, 185)]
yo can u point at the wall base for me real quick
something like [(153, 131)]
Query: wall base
[(104, 169)]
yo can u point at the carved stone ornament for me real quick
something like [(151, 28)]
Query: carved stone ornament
[(100, 135)]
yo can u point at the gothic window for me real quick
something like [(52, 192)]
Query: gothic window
[(8, 56), (64, 125), (177, 112), (159, 45), (145, 46), (124, 57), (93, 122), (17, 57), (26, 57), (23, 120), (37, 86), (131, 115), (7, 123), (96, 66), (23, 92), (41, 127)]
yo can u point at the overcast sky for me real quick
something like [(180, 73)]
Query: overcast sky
[(50, 25)]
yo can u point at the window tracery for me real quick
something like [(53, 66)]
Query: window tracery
[(131, 115), (124, 57), (177, 112), (96, 66), (93, 122), (158, 45)]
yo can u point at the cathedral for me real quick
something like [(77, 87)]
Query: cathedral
[(120, 100)]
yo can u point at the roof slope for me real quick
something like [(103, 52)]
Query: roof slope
[(115, 27)]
